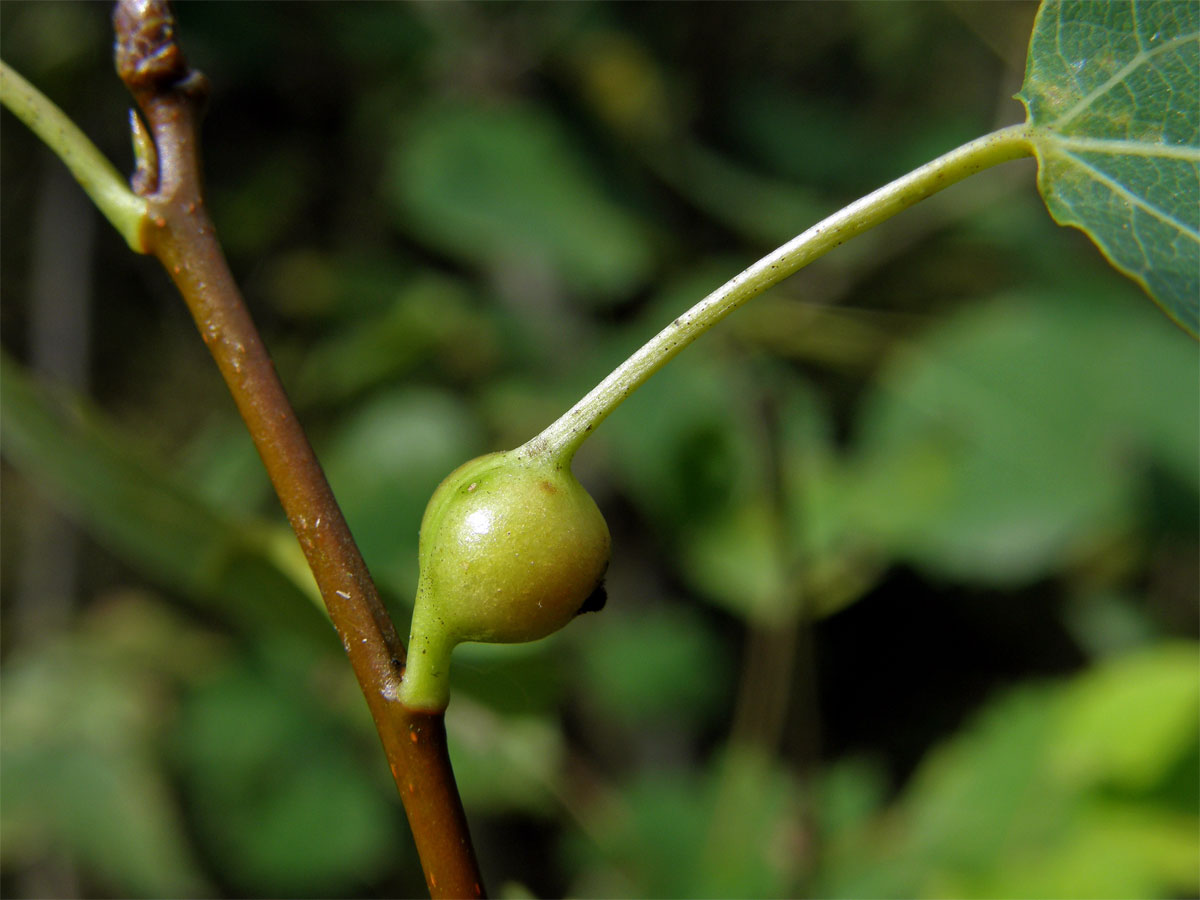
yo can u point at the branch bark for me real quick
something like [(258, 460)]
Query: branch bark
[(178, 231)]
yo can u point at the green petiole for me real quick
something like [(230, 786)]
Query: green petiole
[(563, 437), (95, 174)]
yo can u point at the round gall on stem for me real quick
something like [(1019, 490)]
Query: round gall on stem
[(512, 548)]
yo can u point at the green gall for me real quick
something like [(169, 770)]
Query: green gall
[(512, 548)]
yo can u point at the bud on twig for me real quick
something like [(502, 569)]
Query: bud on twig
[(147, 54)]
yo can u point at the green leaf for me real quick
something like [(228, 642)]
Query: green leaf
[(691, 455), (284, 801), (693, 448), (1024, 801), (79, 769), (661, 668), (530, 750), (1127, 722), (733, 831), (1111, 93), (976, 457), (502, 186)]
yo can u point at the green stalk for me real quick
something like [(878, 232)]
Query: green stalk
[(95, 174), (564, 436)]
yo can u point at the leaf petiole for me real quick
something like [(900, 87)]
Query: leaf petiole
[(565, 435), (95, 174)]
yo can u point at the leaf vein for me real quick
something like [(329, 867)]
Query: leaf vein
[(1120, 147), (1134, 200), (1142, 57)]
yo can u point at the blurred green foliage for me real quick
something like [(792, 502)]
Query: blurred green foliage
[(904, 590)]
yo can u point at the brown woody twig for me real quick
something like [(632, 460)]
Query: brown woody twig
[(180, 234)]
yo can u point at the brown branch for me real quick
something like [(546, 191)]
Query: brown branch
[(180, 234)]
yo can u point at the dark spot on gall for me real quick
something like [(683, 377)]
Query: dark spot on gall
[(595, 601)]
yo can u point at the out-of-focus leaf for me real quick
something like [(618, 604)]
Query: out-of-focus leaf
[(694, 449), (1127, 723), (735, 832), (660, 668), (222, 467), (1104, 622), (514, 680), (1020, 430), (686, 449), (280, 795), (1116, 851), (77, 769), (836, 565), (848, 791), (144, 514), (388, 457), (529, 751), (1113, 95), (502, 186), (740, 558), (645, 847), (754, 845), (430, 318), (996, 771), (1021, 802)]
